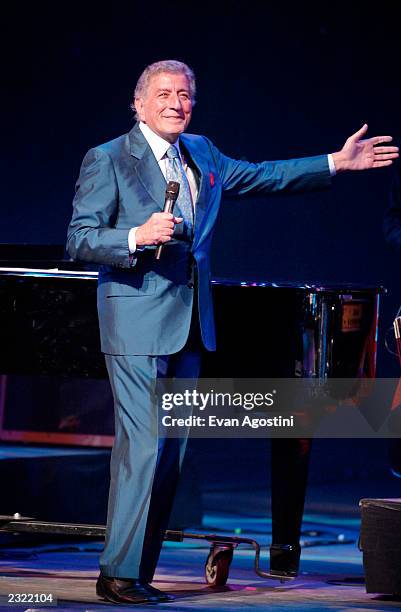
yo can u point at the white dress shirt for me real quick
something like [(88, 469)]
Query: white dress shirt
[(159, 147)]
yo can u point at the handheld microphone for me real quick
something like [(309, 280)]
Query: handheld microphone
[(170, 198)]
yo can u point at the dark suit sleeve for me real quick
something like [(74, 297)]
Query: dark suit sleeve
[(291, 176), (392, 218), (91, 234)]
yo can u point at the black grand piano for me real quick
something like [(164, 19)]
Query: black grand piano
[(48, 327)]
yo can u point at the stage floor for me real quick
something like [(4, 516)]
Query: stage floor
[(235, 501), (68, 570)]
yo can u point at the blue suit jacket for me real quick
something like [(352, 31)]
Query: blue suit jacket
[(145, 305)]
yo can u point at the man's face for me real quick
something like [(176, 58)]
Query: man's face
[(167, 107)]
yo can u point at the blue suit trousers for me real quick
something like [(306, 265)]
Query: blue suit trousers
[(144, 467)]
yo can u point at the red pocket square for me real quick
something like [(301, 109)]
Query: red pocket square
[(211, 176)]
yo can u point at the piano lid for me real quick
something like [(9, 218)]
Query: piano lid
[(62, 271), (49, 273), (312, 286)]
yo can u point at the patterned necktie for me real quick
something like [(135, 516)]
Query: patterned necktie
[(175, 172)]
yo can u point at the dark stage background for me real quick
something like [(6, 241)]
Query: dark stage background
[(275, 80)]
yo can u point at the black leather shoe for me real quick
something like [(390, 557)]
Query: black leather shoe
[(129, 591), (284, 559), (157, 592)]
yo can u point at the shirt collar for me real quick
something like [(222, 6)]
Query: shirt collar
[(158, 145)]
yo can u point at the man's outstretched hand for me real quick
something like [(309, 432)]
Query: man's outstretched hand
[(358, 154)]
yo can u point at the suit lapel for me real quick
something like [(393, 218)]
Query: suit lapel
[(201, 166), (147, 168), (151, 177)]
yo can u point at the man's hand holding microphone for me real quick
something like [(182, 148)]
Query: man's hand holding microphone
[(159, 228)]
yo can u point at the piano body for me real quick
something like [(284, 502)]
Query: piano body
[(49, 331)]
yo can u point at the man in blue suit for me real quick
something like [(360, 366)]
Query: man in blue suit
[(155, 315)]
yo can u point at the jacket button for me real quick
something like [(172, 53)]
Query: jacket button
[(190, 285)]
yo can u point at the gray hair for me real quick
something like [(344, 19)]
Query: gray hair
[(172, 66)]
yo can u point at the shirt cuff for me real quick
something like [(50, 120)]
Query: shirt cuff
[(132, 240), (332, 166)]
